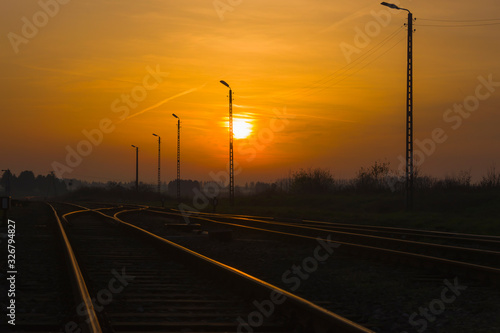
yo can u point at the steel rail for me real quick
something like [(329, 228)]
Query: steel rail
[(322, 320), (83, 297), (491, 273), (409, 231), (374, 238)]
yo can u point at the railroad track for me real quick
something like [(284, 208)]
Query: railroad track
[(40, 293), (392, 232), (128, 279), (441, 237), (463, 243), (376, 242)]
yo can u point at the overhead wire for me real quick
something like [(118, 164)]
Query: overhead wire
[(361, 58), (459, 23), (435, 20), (359, 69), (456, 25), (342, 73)]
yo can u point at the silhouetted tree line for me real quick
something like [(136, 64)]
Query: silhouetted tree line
[(376, 178), (113, 192), (380, 178), (187, 187), (127, 192), (26, 184)]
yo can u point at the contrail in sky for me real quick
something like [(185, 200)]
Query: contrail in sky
[(55, 70), (164, 101)]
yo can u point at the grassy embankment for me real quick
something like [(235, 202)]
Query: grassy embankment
[(472, 211), (466, 210)]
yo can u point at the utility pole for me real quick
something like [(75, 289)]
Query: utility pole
[(231, 156), (159, 177), (409, 118), (159, 165), (409, 109), (178, 158), (231, 153), (136, 168)]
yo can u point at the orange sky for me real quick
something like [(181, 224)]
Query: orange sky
[(66, 66)]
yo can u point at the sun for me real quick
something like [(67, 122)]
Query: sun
[(242, 128)]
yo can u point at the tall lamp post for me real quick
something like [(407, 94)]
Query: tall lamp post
[(136, 167), (409, 109), (159, 177), (231, 164), (178, 157)]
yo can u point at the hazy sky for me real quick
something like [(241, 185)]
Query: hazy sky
[(322, 83)]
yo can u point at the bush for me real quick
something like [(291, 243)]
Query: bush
[(373, 178), (462, 180), (312, 181), (491, 179)]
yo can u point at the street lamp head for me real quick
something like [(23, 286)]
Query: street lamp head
[(225, 83), (133, 146), (173, 114), (390, 5), (155, 134)]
